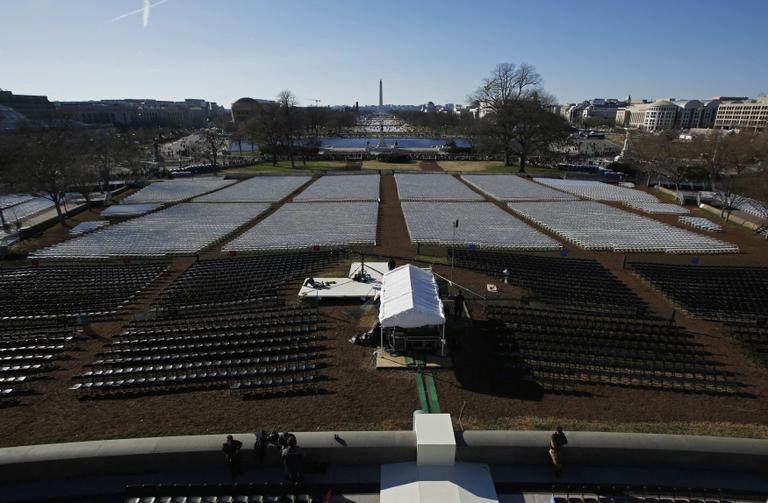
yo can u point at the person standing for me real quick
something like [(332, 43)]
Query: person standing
[(556, 443), (293, 459), (231, 449), (458, 304)]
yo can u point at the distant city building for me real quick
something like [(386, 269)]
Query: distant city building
[(743, 113), (141, 112), (666, 114), (597, 108), (245, 108), (123, 112), (31, 107)]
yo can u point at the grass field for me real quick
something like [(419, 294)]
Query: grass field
[(448, 166), (286, 166), (475, 166), (490, 167)]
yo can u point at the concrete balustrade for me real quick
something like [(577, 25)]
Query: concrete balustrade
[(617, 450), (516, 448)]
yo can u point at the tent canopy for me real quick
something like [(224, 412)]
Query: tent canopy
[(409, 299)]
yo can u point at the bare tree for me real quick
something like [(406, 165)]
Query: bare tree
[(264, 129), (51, 162), (726, 154), (506, 84), (289, 122), (666, 157), (211, 144), (516, 112), (10, 150), (535, 128), (752, 190), (109, 151)]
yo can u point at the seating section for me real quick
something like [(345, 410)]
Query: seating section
[(173, 191), (514, 188), (27, 209), (602, 493), (715, 292), (129, 210), (72, 289), (569, 283), (8, 200), (86, 227), (657, 208), (219, 493), (481, 225), (597, 226), (597, 191), (342, 188), (433, 187), (29, 348), (754, 338), (259, 189), (258, 350), (700, 223), (241, 279), (299, 226), (557, 349), (184, 229)]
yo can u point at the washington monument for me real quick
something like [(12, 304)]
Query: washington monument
[(381, 95)]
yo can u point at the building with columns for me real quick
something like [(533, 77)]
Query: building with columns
[(666, 114), (743, 114)]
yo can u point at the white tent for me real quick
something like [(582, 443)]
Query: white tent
[(409, 299)]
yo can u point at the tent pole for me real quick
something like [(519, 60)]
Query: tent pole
[(442, 346)]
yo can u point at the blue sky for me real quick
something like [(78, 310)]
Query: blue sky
[(336, 50)]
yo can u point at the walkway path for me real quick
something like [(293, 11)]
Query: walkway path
[(392, 237)]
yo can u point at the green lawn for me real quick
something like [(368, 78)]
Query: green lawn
[(286, 166)]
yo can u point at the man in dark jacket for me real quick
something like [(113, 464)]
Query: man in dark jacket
[(293, 459), (231, 449)]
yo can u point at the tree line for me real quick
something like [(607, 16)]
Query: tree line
[(514, 118), (734, 165), (50, 161), (283, 128)]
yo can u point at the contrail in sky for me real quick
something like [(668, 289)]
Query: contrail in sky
[(144, 11)]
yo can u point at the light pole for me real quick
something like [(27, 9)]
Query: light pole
[(455, 225)]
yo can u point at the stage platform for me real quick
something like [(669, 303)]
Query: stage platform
[(375, 269), (385, 361), (340, 288), (347, 288)]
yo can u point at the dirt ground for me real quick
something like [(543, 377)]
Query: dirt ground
[(359, 397)]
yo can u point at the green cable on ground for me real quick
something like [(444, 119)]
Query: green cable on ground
[(422, 392), (434, 404)]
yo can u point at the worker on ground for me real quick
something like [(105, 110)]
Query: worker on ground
[(556, 443), (231, 449), (293, 459), (458, 304)]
